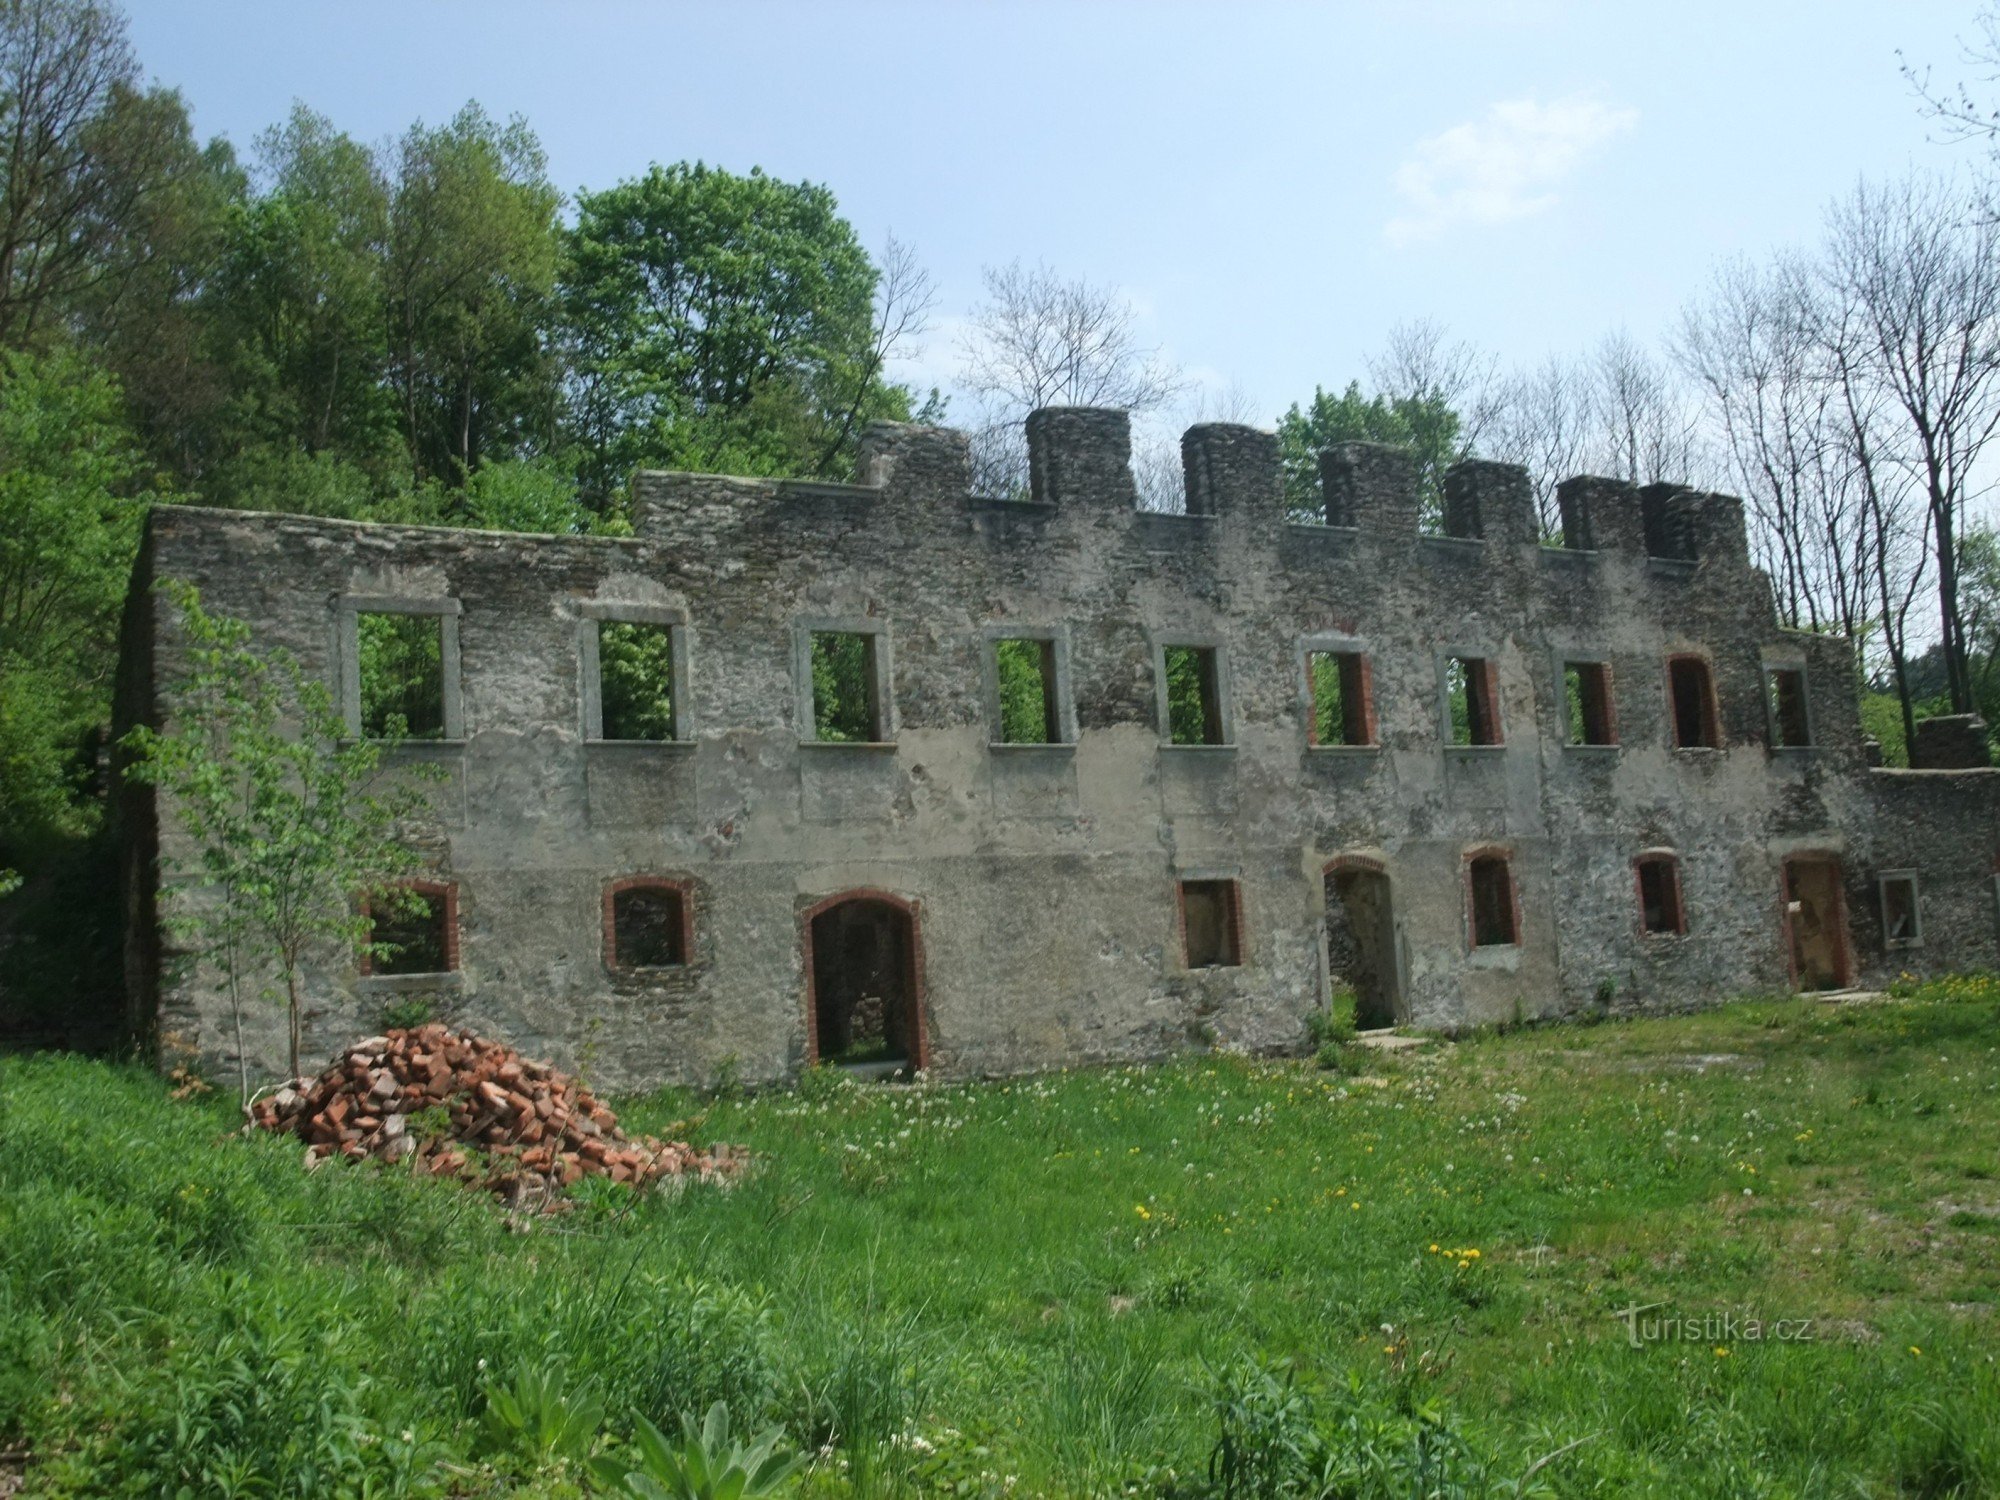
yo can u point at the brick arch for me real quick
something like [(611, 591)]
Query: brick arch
[(913, 958), (1341, 864)]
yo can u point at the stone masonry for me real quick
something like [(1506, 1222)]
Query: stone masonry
[(1113, 896)]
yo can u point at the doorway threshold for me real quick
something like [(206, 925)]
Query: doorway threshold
[(875, 1072), (1389, 1039)]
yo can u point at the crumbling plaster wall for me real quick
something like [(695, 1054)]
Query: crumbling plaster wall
[(1044, 876)]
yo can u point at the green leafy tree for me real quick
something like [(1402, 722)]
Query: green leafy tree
[(85, 150), (1330, 705), (528, 494), (111, 217), (635, 667), (1979, 593), (1189, 716), (291, 831), (70, 510), (473, 245), (1424, 424), (842, 693), (719, 322), (402, 676), (298, 300), (1024, 702)]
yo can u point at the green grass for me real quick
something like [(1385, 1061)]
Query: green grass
[(1073, 1280)]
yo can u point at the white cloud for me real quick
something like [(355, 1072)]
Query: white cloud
[(1505, 166)]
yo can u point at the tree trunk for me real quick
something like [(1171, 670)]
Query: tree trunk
[(1956, 681), (292, 1016), (236, 1017), (1909, 712)]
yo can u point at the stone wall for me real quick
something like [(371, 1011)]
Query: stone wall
[(1042, 878)]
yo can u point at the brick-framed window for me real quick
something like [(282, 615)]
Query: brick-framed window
[(1029, 700), (1492, 899), (1590, 709), (634, 669), (1902, 910), (399, 667), (1339, 684), (1191, 674), (843, 677), (1693, 719), (1209, 913), (648, 923), (1656, 879), (426, 939), (1787, 707), (1469, 698)]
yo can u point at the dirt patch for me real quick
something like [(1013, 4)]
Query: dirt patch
[(1686, 1062)]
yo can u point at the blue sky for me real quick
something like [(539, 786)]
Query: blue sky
[(1273, 186)]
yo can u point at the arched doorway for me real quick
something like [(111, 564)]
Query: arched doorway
[(1816, 922), (864, 982), (1361, 940)]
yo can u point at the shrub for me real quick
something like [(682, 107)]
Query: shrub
[(251, 1412), (1272, 1445), (1265, 1445), (405, 1014), (538, 1417), (824, 1082), (705, 1464), (1341, 1057), (1335, 1025)]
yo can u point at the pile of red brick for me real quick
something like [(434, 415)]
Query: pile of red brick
[(473, 1109)]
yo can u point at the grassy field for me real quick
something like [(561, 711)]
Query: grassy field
[(1215, 1276)]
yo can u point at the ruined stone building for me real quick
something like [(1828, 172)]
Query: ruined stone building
[(895, 772)]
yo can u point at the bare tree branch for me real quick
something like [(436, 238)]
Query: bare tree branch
[(1917, 268), (1041, 340), (1421, 361), (904, 298)]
